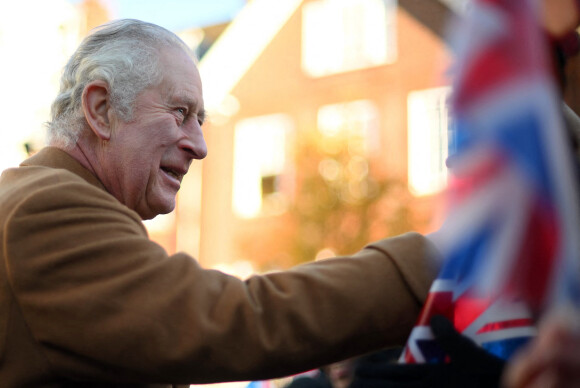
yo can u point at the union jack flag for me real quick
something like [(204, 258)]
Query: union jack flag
[(510, 239)]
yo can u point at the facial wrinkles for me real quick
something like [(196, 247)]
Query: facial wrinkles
[(186, 96), (169, 159), (160, 126), (135, 148)]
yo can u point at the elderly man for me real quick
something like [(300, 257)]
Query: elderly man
[(86, 299)]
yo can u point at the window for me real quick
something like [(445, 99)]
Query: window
[(344, 35), (429, 126), (259, 163)]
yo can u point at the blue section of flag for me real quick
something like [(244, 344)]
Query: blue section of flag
[(519, 136), (462, 262), (505, 346)]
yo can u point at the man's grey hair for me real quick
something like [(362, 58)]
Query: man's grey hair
[(123, 53)]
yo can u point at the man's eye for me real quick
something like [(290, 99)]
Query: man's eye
[(182, 111)]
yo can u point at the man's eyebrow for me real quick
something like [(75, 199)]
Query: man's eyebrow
[(201, 116)]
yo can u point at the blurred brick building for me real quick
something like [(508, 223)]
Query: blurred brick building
[(307, 99)]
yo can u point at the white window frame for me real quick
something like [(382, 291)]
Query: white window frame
[(428, 140), (260, 151)]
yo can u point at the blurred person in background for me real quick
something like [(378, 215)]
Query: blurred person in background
[(312, 379), (336, 375)]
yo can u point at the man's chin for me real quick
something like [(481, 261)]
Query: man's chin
[(156, 210)]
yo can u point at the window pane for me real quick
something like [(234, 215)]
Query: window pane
[(259, 160), (428, 122), (343, 35)]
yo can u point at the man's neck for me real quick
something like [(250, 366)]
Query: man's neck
[(77, 152)]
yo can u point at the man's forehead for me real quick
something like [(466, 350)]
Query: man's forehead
[(181, 77)]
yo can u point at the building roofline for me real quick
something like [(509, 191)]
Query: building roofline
[(434, 15), (240, 45)]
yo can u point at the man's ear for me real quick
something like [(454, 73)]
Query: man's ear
[(96, 106)]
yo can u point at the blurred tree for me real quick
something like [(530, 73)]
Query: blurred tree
[(341, 202)]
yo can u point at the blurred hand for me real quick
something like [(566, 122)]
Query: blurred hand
[(560, 16), (469, 366), (552, 359)]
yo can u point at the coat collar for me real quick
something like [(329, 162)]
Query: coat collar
[(56, 158)]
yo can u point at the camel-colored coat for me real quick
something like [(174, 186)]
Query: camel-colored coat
[(85, 296)]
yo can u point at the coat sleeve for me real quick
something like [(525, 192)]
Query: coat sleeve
[(103, 302)]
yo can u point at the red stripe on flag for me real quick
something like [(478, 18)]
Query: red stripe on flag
[(522, 322)]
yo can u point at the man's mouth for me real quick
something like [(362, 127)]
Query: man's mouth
[(173, 173)]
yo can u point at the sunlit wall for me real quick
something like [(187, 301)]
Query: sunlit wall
[(36, 38)]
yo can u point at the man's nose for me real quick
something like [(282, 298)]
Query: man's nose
[(193, 142)]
